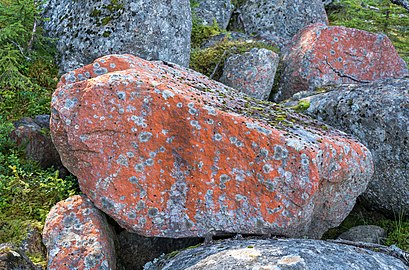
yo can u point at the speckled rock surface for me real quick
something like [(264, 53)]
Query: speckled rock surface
[(12, 258), (281, 19), (378, 115), (364, 233), (77, 236), (208, 11), (292, 254), (167, 152), (89, 29), (330, 55), (252, 72)]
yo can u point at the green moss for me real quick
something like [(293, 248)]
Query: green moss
[(106, 34), (96, 13), (302, 106), (38, 259), (201, 32), (114, 6), (172, 254), (106, 20)]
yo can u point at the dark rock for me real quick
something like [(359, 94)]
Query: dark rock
[(86, 30), (364, 233), (209, 11), (281, 19), (378, 115), (136, 250), (252, 72), (276, 254), (12, 258), (32, 242), (330, 55)]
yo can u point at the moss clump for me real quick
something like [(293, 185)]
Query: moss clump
[(206, 60), (201, 32), (302, 106)]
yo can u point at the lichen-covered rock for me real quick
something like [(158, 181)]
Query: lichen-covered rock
[(77, 236), (330, 55), (135, 250), (210, 11), (365, 233), (281, 19), (378, 115), (252, 72), (292, 254), (12, 258), (168, 152), (88, 29)]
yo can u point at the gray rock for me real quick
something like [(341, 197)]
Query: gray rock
[(209, 11), (252, 72), (281, 19), (12, 258), (277, 254), (89, 29), (147, 248), (378, 115), (364, 233), (32, 242)]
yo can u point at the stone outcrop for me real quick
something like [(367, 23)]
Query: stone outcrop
[(86, 30), (281, 19), (330, 55), (292, 254), (252, 72), (167, 152), (77, 236), (210, 11), (378, 115)]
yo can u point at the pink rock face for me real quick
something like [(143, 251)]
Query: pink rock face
[(329, 55), (77, 236), (168, 152)]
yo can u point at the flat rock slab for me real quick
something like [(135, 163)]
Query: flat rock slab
[(378, 115), (88, 29), (290, 254), (322, 55), (168, 152), (77, 236)]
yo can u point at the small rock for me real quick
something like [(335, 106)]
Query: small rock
[(291, 254), (77, 236), (323, 55), (32, 242), (210, 11), (12, 258), (364, 233), (252, 72)]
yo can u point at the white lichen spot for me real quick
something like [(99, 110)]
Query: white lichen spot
[(167, 94), (291, 260), (144, 136)]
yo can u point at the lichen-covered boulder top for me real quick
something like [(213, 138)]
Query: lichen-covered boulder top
[(292, 254), (168, 152), (378, 115), (88, 29), (330, 55), (77, 236)]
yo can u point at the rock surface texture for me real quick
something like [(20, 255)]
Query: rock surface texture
[(168, 152), (77, 236), (252, 72), (378, 115), (290, 254), (210, 11), (12, 258), (329, 55), (364, 233), (281, 19), (90, 29)]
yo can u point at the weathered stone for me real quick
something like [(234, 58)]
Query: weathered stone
[(86, 30), (32, 242), (135, 250), (329, 55), (37, 141), (281, 19), (364, 233), (168, 152), (210, 11), (77, 236), (378, 115), (12, 258), (292, 254), (252, 72)]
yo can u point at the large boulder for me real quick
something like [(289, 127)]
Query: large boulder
[(210, 11), (292, 254), (77, 236), (378, 115), (88, 29), (252, 72), (281, 19), (168, 152), (329, 55)]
